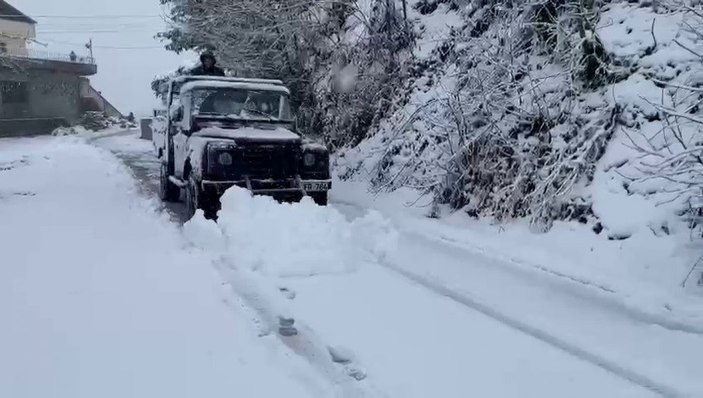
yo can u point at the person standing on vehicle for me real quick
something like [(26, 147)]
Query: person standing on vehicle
[(207, 66)]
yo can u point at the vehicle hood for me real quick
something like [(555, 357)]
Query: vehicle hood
[(278, 134)]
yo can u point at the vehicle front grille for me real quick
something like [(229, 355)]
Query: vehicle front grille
[(259, 161)]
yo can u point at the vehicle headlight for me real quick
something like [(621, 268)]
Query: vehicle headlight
[(309, 159), (225, 159)]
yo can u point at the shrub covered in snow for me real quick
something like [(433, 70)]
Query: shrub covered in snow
[(526, 109), (667, 137), (504, 119)]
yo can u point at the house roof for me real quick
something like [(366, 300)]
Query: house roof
[(7, 11)]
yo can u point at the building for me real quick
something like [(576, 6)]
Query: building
[(92, 100), (40, 90), (16, 29)]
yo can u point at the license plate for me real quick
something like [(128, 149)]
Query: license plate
[(315, 186)]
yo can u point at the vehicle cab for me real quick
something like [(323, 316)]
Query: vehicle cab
[(229, 131)]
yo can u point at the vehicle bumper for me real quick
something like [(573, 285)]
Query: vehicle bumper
[(270, 186)]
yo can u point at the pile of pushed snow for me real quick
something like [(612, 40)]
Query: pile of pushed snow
[(66, 131), (282, 240), (82, 132)]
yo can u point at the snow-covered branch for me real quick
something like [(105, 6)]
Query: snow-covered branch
[(508, 138), (343, 64), (672, 156)]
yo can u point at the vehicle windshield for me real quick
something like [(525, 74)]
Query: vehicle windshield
[(241, 103)]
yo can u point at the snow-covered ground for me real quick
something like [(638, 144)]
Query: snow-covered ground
[(100, 295), (326, 272), (545, 285), (385, 302)]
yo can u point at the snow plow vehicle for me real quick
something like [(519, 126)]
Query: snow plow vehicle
[(224, 131)]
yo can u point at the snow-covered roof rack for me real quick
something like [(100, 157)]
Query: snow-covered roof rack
[(232, 84), (183, 79)]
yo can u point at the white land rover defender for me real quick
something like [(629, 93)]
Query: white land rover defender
[(230, 131)]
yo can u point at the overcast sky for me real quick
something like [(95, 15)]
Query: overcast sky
[(126, 52)]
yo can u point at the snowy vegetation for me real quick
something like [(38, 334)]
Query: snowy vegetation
[(342, 61), (507, 109)]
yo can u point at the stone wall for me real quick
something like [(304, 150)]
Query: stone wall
[(43, 96), (55, 96), (29, 127)]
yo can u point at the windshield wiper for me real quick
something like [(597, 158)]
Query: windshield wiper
[(261, 113)]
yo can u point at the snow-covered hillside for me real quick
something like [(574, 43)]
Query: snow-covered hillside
[(540, 112)]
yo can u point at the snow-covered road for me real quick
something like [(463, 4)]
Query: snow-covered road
[(406, 302), (576, 321), (100, 297)]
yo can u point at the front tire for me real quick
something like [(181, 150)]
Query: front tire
[(192, 198), (320, 198), (197, 199), (168, 192)]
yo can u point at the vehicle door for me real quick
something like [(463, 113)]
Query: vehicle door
[(158, 132), (169, 127), (181, 133)]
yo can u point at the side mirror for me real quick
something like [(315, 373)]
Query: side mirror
[(191, 128), (177, 115), (296, 125)]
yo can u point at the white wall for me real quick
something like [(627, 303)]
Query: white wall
[(15, 35)]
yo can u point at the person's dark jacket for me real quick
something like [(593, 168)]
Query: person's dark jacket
[(201, 71)]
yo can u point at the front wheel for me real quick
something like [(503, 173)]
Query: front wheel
[(320, 198), (197, 199), (168, 191), (192, 198)]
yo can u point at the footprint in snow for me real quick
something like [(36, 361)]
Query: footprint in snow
[(345, 357)]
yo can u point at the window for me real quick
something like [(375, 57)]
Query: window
[(242, 103), (3, 47), (14, 92)]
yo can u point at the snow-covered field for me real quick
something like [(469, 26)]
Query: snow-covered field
[(100, 295), (385, 302)]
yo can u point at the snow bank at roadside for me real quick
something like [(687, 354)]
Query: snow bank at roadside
[(640, 273), (291, 240), (74, 130), (80, 131)]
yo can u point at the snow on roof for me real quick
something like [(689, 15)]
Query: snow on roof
[(182, 79), (278, 134), (203, 84), (7, 11)]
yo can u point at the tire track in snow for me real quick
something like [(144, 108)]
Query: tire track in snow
[(137, 162), (304, 343), (604, 296), (539, 334), (600, 295)]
